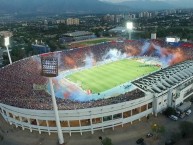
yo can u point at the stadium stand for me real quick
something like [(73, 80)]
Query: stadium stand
[(31, 109), (16, 87)]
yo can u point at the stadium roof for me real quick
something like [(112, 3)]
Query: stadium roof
[(160, 81), (118, 30)]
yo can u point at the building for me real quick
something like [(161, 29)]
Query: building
[(167, 87), (153, 93), (121, 31), (153, 35), (60, 21), (40, 48), (45, 22), (76, 36), (109, 18), (24, 24), (76, 21), (133, 16), (118, 31), (172, 39), (72, 21), (118, 18), (145, 15)]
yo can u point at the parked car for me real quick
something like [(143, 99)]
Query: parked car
[(188, 112), (149, 135), (173, 117), (178, 112), (140, 141)]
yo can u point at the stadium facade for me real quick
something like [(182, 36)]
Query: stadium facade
[(167, 87)]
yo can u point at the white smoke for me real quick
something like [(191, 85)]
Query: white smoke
[(114, 54), (89, 60)]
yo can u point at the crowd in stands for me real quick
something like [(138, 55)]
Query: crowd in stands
[(16, 88), (72, 105), (16, 80)]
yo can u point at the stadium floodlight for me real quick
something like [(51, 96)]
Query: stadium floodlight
[(6, 41), (129, 26), (49, 66), (50, 69), (7, 47)]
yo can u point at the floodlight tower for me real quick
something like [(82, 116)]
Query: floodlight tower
[(129, 26), (50, 69), (6, 45)]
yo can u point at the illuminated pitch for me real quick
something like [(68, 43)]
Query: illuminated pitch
[(85, 43), (107, 76)]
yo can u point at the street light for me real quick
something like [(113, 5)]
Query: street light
[(6, 45), (156, 129), (129, 26), (50, 69)]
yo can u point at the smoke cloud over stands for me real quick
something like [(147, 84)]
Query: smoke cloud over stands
[(90, 56)]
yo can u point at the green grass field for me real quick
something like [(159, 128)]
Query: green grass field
[(104, 77), (90, 42)]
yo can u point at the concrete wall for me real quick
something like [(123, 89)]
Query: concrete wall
[(24, 117)]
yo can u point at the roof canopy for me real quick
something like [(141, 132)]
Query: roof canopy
[(166, 78)]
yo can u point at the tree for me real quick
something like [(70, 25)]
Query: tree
[(107, 141), (17, 53), (1, 137), (157, 129), (5, 59), (53, 46), (169, 111)]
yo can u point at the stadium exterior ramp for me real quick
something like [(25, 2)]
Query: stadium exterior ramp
[(169, 86)]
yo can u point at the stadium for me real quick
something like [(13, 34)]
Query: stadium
[(98, 87)]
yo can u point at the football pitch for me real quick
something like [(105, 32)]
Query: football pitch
[(104, 77), (89, 42)]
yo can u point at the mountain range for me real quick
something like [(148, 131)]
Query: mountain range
[(58, 6), (85, 6), (153, 4), (147, 5)]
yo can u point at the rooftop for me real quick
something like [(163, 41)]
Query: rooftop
[(162, 80), (118, 29)]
